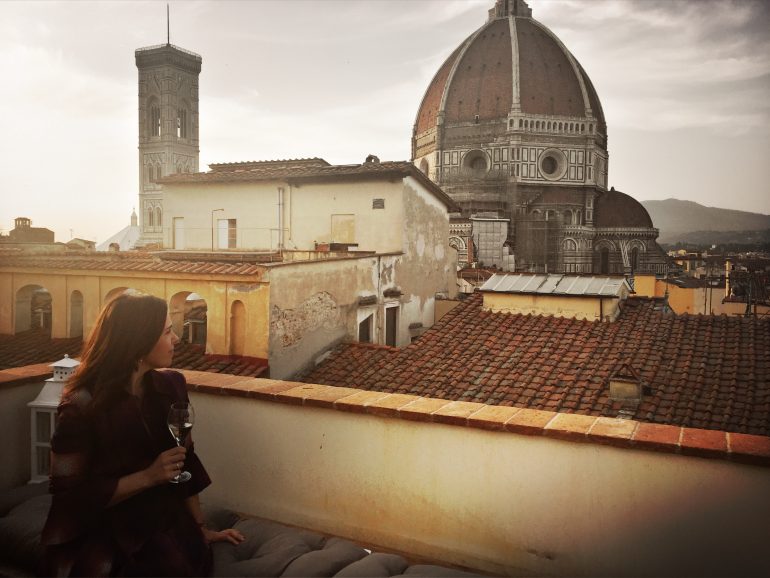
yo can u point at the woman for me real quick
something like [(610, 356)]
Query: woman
[(114, 511)]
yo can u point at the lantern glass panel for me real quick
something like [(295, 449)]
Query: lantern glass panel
[(43, 461), (43, 419)]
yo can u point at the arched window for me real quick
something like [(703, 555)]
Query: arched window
[(634, 259), (150, 219), (154, 118), (181, 123), (570, 245), (158, 215), (576, 218), (604, 261), (521, 123)]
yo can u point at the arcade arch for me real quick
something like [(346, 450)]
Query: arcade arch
[(188, 312), (33, 308)]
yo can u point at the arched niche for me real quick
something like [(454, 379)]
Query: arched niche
[(237, 328), (76, 314)]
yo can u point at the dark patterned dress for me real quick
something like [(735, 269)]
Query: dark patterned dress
[(149, 534)]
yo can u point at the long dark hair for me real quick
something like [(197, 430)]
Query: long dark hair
[(127, 329)]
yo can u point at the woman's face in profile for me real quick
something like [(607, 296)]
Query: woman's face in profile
[(162, 354)]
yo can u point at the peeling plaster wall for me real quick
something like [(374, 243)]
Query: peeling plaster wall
[(429, 263), (313, 306)]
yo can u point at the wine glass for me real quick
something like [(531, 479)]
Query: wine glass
[(180, 420)]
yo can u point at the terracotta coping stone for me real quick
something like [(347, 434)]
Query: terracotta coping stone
[(20, 375), (457, 412), (748, 449), (358, 402), (570, 426), (630, 434), (422, 408), (492, 417)]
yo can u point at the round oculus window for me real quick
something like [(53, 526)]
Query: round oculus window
[(553, 164), (549, 165)]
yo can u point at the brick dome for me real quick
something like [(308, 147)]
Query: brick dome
[(616, 209), (512, 65)]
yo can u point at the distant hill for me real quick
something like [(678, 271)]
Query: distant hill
[(686, 220)]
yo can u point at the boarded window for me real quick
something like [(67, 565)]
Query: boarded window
[(391, 326), (343, 229), (365, 330), (227, 236), (178, 232)]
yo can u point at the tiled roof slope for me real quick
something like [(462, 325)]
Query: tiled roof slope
[(36, 346), (702, 371), (127, 262), (310, 172)]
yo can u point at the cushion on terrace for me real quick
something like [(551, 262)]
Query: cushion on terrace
[(270, 549), (23, 512)]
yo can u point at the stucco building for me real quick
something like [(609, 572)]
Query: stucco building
[(354, 252), (513, 130)]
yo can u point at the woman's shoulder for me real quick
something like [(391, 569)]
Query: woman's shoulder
[(79, 398), (170, 382)]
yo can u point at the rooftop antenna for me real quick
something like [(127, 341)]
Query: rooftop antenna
[(168, 25)]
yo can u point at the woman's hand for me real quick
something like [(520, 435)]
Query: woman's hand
[(166, 466), (231, 535)]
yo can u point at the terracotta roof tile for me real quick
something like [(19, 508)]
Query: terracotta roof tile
[(125, 262), (706, 372), (36, 346), (309, 172)]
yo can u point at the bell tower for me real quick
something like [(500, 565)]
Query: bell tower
[(168, 127)]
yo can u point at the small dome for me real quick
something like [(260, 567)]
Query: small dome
[(616, 209)]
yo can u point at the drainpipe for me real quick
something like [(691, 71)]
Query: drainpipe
[(280, 218), (601, 309)]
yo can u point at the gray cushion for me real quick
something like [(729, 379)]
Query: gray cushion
[(333, 557), (429, 571), (9, 499), (267, 550), (20, 532), (376, 565)]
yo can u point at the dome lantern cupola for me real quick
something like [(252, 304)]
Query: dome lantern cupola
[(505, 8)]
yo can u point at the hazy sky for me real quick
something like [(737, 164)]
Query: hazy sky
[(685, 87)]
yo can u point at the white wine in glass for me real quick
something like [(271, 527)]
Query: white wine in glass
[(181, 417)]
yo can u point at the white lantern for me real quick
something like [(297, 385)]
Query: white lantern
[(43, 419)]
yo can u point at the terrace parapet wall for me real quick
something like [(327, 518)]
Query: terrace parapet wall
[(621, 433)]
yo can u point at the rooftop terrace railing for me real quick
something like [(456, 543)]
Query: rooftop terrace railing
[(501, 490)]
